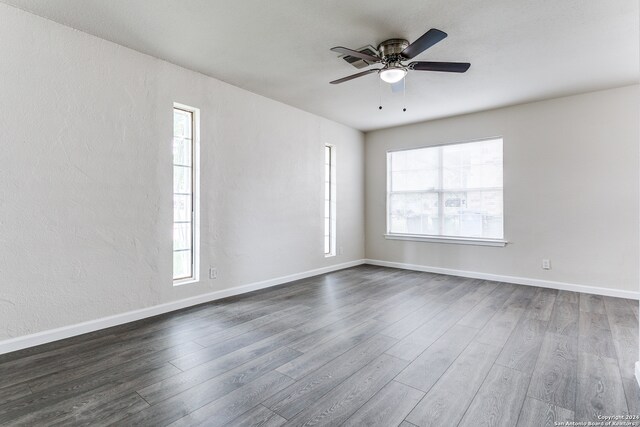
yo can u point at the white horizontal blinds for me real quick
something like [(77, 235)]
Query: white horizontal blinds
[(183, 197), (450, 190), (329, 200)]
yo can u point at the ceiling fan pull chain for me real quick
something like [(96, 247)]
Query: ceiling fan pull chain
[(404, 93), (379, 95)]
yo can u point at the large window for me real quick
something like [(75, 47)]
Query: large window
[(185, 196), (329, 200), (448, 191)]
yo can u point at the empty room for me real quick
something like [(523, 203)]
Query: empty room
[(296, 213)]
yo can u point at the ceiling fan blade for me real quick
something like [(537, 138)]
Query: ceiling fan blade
[(450, 67), (351, 52), (423, 43), (353, 76)]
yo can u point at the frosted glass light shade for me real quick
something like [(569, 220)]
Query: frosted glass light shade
[(393, 75)]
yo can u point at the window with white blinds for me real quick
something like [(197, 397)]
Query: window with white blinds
[(446, 191), (185, 179)]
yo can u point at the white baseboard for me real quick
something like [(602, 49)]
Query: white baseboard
[(51, 335), (511, 279), (638, 373)]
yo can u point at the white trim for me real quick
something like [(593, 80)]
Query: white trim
[(638, 373), (187, 281), (444, 239), (51, 335), (511, 279)]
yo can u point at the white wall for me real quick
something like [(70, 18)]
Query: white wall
[(570, 190), (86, 180)]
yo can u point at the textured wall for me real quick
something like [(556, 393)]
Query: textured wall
[(86, 180), (570, 190)]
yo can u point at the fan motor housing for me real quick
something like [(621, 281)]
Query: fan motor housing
[(392, 48)]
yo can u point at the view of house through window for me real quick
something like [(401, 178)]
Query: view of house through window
[(449, 190), (329, 200), (184, 195)]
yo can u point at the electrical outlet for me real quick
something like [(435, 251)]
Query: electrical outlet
[(213, 273), (546, 264)]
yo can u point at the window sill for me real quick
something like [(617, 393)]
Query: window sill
[(184, 281), (451, 240)]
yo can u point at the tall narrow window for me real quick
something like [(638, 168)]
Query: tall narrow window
[(448, 191), (185, 194), (329, 200)]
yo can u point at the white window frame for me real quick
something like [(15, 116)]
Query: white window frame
[(195, 198), (439, 238), (330, 199)]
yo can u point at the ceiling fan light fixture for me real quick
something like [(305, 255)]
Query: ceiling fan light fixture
[(393, 74)]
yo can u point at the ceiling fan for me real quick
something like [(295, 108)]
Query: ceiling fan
[(392, 53)]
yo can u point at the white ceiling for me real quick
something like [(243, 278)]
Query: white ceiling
[(520, 50)]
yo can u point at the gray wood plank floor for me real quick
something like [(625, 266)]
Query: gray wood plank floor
[(367, 346)]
